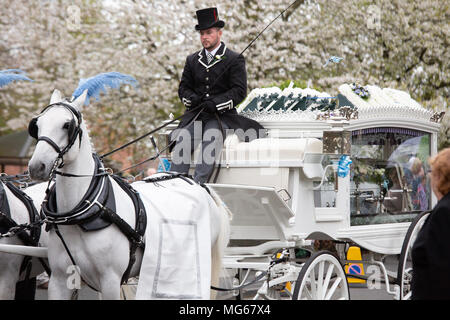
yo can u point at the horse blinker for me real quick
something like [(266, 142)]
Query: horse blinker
[(33, 129)]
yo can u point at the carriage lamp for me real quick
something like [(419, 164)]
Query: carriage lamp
[(336, 142), (163, 139)]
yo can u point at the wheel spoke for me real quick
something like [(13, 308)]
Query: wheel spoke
[(308, 293), (327, 278), (323, 278), (333, 288), (320, 289), (312, 278)]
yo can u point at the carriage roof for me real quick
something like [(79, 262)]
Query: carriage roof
[(357, 106)]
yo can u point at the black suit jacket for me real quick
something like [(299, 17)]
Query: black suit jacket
[(223, 81), (431, 255)]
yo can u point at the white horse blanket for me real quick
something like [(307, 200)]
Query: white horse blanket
[(177, 257)]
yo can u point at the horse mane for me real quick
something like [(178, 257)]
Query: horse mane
[(98, 83), (88, 133), (10, 75)]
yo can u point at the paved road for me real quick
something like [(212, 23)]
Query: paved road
[(356, 293)]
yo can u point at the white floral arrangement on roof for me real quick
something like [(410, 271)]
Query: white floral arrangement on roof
[(289, 105), (314, 95), (360, 90), (256, 93), (306, 104), (401, 97), (384, 102)]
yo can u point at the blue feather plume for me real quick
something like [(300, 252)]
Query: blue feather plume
[(333, 59), (97, 84), (11, 71), (10, 75)]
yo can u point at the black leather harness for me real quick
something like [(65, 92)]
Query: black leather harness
[(87, 213), (6, 221), (97, 210)]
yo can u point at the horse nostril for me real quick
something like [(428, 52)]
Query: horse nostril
[(37, 170)]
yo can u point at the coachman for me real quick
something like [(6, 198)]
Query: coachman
[(214, 80)]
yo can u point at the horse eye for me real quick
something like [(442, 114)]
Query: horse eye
[(66, 125)]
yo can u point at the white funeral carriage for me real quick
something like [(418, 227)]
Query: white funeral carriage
[(345, 169), (286, 191)]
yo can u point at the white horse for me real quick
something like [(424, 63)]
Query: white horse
[(102, 255), (11, 257), (10, 263)]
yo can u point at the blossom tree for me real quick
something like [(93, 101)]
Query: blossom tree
[(398, 44)]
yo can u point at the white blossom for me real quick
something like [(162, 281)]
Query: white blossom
[(397, 44)]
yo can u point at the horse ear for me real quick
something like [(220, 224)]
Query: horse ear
[(56, 97), (79, 102)]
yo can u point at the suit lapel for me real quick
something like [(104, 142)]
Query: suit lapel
[(220, 53), (202, 58)]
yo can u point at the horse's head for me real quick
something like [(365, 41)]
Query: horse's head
[(59, 127), (58, 130)]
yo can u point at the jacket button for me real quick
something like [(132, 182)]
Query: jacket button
[(207, 87), (207, 95), (207, 70), (207, 78)]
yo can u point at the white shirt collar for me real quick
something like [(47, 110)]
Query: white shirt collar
[(214, 51)]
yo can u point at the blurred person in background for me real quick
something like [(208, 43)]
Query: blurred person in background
[(431, 250)]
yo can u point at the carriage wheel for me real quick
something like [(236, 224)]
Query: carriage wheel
[(322, 278), (404, 272)]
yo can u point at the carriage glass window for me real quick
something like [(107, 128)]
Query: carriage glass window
[(389, 181)]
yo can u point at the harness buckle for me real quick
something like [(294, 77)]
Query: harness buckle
[(108, 171), (64, 220), (23, 185), (138, 243)]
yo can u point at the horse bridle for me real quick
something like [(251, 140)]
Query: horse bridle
[(74, 130)]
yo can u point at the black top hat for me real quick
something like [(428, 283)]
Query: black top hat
[(208, 18)]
